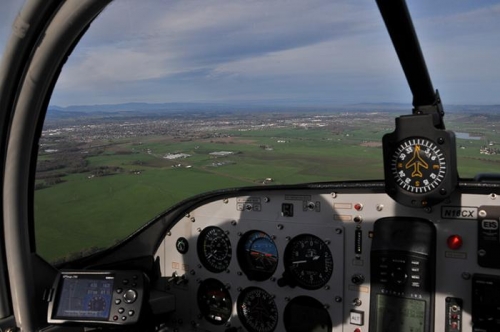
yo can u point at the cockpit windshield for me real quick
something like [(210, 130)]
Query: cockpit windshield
[(164, 100)]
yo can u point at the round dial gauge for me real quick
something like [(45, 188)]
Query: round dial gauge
[(257, 255), (214, 301), (308, 261), (418, 165), (306, 314), (214, 249), (257, 310)]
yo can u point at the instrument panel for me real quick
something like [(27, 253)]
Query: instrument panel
[(303, 261)]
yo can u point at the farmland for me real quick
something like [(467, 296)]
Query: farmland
[(100, 178)]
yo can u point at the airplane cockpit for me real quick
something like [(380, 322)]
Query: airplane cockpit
[(416, 251)]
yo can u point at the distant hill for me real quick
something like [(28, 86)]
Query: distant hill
[(158, 109), (473, 108)]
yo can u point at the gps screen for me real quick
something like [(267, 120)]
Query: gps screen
[(84, 297)]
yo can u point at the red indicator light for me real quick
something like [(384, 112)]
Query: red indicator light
[(454, 242), (357, 330), (358, 206)]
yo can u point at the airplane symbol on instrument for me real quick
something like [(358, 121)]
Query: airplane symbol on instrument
[(416, 162)]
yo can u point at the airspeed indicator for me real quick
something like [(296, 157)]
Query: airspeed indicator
[(214, 249)]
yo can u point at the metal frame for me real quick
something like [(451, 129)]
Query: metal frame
[(44, 35)]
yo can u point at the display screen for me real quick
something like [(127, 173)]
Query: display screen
[(399, 314), (84, 297)]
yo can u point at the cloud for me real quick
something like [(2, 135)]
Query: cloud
[(130, 43), (216, 49), (102, 66), (462, 49), (338, 57), (220, 31)]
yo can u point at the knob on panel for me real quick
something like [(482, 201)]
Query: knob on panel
[(130, 296)]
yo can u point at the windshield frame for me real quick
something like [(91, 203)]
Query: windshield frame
[(44, 35)]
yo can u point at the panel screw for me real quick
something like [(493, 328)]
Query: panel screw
[(267, 199), (482, 213), (169, 233), (481, 253), (192, 219), (441, 140), (466, 275), (233, 222), (338, 299), (280, 227), (338, 231), (380, 207), (334, 195), (225, 201), (493, 196)]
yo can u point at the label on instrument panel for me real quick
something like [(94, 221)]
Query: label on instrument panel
[(458, 212), (488, 230), (298, 197), (251, 199)]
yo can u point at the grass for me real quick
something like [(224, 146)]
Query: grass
[(83, 212)]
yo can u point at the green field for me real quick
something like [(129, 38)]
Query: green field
[(86, 211)]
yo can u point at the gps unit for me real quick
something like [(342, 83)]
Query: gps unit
[(96, 297)]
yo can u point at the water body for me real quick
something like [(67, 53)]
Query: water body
[(467, 136)]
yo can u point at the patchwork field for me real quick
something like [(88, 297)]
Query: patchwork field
[(92, 193)]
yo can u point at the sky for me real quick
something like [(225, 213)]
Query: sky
[(293, 52)]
